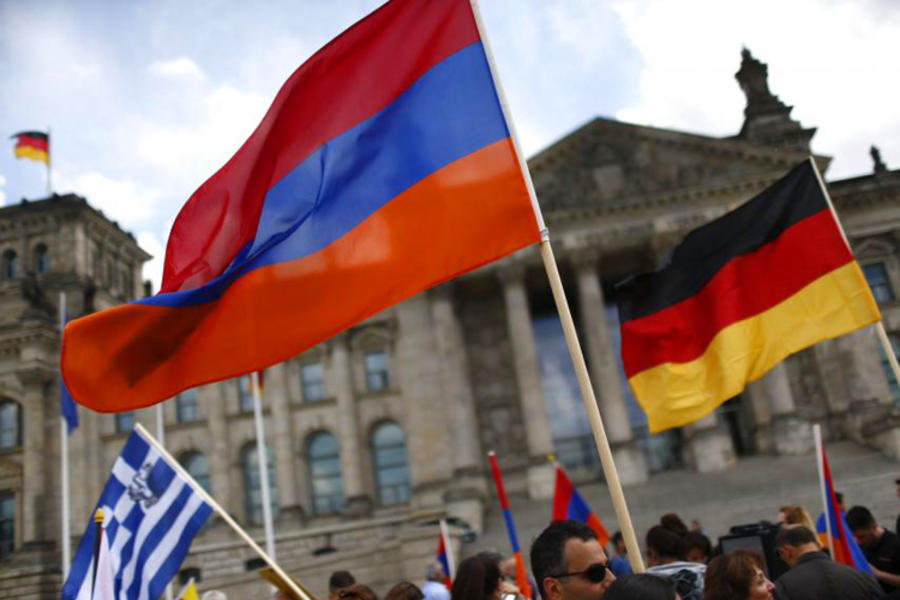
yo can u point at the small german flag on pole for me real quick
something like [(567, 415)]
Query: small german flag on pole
[(34, 145), (740, 294)]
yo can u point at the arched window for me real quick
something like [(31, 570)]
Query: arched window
[(10, 265), (186, 406), (41, 259), (389, 458), (323, 454), (10, 424), (197, 465), (252, 484)]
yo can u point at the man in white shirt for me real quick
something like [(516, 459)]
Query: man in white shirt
[(434, 588)]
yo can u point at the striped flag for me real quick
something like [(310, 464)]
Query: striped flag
[(739, 295), (521, 572), (568, 504), (443, 555), (151, 514), (34, 145)]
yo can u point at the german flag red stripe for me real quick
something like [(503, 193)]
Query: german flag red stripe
[(32, 140)]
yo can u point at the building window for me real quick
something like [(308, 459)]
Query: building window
[(41, 259), (10, 265), (253, 486), (876, 275), (324, 458), (186, 406), (245, 393), (10, 425), (124, 421), (313, 382), (7, 523), (376, 370), (197, 466), (391, 469), (893, 385)]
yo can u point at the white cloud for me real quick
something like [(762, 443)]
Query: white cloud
[(832, 69), (121, 200), (153, 268), (177, 67)]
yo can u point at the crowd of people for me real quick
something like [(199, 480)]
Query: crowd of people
[(569, 563)]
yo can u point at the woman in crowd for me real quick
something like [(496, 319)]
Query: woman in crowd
[(795, 515), (478, 578), (405, 591), (737, 575), (641, 587)]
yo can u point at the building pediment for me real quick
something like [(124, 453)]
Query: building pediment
[(608, 164)]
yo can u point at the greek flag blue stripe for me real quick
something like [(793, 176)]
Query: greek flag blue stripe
[(135, 451), (171, 564)]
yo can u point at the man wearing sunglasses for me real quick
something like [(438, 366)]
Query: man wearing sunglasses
[(569, 563)]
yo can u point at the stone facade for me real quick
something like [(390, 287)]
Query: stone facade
[(382, 430)]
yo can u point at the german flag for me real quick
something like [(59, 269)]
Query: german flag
[(32, 144), (739, 295)]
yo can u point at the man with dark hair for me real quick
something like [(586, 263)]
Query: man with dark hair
[(666, 554), (813, 575), (338, 581), (569, 563), (881, 547)]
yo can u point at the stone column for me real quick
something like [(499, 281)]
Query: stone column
[(607, 384), (761, 409), (710, 445), (790, 434), (528, 377), (276, 397), (467, 497), (214, 401), (427, 411), (357, 502), (37, 460)]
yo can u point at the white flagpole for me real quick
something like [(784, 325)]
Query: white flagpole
[(448, 547), (161, 436), (66, 542), (224, 515), (562, 306), (49, 163), (879, 326), (262, 455), (820, 460)]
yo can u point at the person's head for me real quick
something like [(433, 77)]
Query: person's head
[(673, 523), (795, 515), (641, 586), (357, 592), (794, 542), (618, 541), (664, 546), (477, 578), (698, 546), (569, 563), (840, 500), (338, 581), (864, 527), (508, 568), (405, 591), (737, 575), (434, 571)]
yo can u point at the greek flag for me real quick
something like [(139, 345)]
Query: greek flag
[(151, 514)]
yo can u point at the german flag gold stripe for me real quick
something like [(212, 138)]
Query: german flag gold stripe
[(31, 153), (675, 394)]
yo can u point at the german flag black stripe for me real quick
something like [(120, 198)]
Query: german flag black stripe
[(705, 251)]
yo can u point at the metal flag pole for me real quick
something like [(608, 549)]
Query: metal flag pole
[(298, 590), (161, 436), (49, 162), (820, 462), (263, 456), (64, 462), (559, 296), (879, 326)]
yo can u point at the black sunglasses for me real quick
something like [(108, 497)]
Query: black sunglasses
[(594, 573)]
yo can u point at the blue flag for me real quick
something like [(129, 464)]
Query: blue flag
[(67, 407), (151, 515)]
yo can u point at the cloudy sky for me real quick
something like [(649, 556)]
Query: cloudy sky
[(145, 100)]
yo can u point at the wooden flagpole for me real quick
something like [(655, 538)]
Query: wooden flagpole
[(565, 315), (879, 326), (820, 463), (223, 513)]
